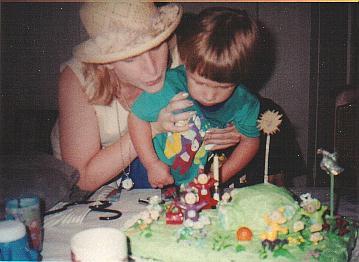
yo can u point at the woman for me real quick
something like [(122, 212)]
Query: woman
[(127, 53)]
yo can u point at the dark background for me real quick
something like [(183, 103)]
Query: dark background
[(310, 54)]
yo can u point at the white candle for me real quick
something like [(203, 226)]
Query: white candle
[(266, 160), (216, 168)]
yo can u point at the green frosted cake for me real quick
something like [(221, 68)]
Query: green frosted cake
[(259, 223)]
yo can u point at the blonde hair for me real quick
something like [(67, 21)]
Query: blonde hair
[(105, 81), (106, 84), (221, 45)]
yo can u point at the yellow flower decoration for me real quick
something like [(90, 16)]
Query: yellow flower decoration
[(269, 122)]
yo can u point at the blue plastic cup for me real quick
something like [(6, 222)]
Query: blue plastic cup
[(27, 210), (14, 242)]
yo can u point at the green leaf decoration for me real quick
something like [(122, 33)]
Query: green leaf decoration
[(221, 242), (148, 234), (282, 252), (301, 246), (240, 248), (263, 253), (226, 246)]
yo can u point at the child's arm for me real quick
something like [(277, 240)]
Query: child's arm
[(141, 136), (240, 157)]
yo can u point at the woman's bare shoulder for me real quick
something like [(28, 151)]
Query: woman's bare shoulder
[(68, 78)]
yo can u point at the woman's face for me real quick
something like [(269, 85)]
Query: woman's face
[(145, 71)]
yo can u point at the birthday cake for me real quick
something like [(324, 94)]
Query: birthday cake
[(258, 223)]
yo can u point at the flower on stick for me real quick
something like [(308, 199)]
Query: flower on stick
[(269, 123)]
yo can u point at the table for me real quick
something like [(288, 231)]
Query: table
[(56, 245)]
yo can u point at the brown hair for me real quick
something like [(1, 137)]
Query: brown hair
[(221, 44)]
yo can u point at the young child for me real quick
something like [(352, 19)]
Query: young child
[(217, 55)]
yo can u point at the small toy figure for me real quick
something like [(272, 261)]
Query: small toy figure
[(154, 203), (226, 197), (153, 210), (274, 222), (330, 166), (174, 214), (316, 237), (191, 206), (298, 226), (204, 183), (314, 210), (329, 162)]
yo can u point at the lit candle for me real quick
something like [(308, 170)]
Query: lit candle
[(216, 168)]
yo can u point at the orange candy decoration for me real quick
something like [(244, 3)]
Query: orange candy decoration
[(244, 234)]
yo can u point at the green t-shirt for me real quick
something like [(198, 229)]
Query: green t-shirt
[(241, 109)]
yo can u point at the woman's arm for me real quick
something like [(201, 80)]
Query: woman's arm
[(166, 121), (240, 157), (217, 139), (80, 137)]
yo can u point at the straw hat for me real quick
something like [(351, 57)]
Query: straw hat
[(123, 29)]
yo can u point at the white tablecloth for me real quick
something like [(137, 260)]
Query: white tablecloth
[(56, 245)]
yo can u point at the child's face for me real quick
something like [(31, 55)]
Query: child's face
[(208, 92)]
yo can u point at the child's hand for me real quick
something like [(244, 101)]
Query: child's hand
[(159, 174)]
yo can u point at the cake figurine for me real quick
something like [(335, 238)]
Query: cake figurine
[(174, 214), (191, 206), (154, 203), (226, 197), (269, 123), (274, 222), (313, 209), (260, 223), (330, 165), (316, 237), (329, 162), (203, 183)]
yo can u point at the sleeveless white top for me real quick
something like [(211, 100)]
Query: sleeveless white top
[(111, 119)]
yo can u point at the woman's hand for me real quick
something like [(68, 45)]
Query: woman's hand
[(216, 139), (168, 120)]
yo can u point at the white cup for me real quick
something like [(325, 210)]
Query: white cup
[(99, 244)]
